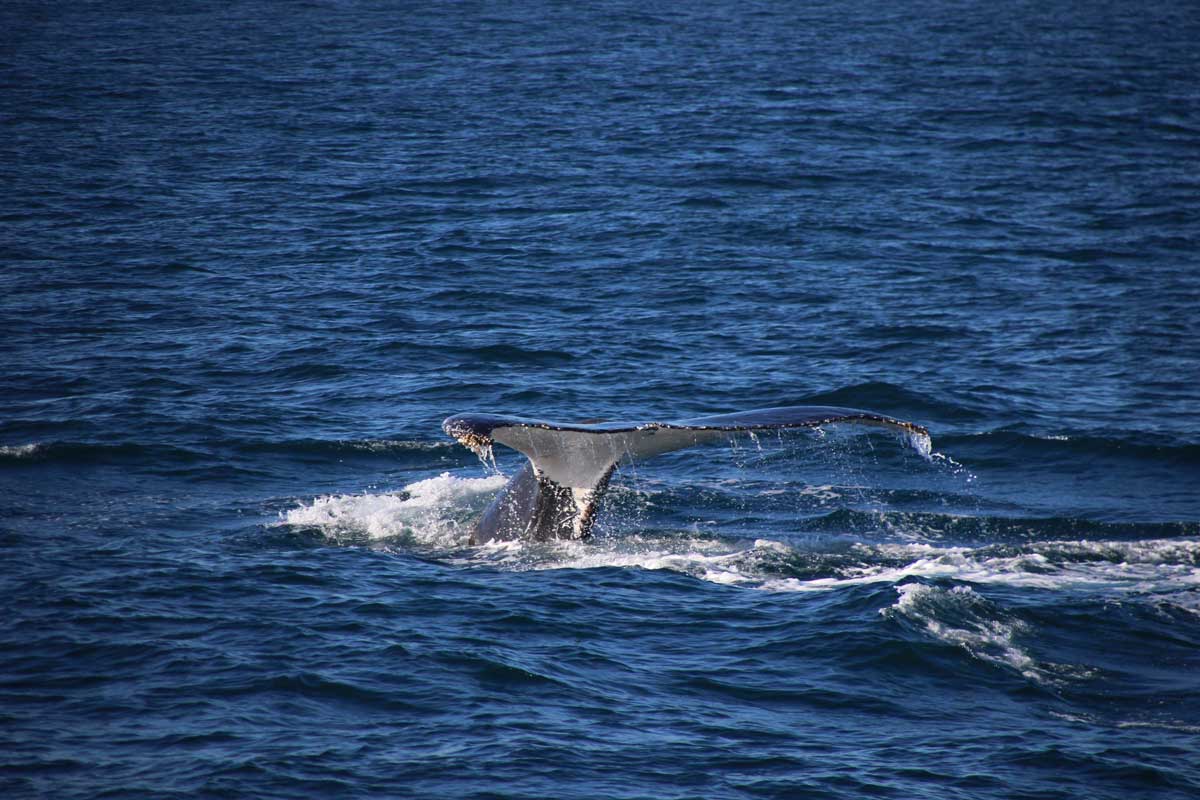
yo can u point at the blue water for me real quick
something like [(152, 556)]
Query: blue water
[(252, 255)]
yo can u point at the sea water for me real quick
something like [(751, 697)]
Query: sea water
[(251, 256)]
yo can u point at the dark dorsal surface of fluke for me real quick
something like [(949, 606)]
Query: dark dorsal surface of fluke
[(554, 496)]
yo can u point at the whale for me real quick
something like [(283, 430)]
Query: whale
[(555, 493)]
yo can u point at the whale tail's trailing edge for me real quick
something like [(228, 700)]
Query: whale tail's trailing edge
[(555, 495)]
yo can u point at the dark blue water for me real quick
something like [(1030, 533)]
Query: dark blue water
[(251, 255)]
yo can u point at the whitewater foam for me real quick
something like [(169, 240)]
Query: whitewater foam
[(1145, 567), (1095, 721), (959, 616), (437, 513), (389, 445), (433, 512), (21, 450)]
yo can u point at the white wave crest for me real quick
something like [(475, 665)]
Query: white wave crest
[(961, 617), (1092, 720), (1147, 566), (713, 560), (20, 450)]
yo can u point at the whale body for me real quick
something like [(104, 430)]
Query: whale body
[(555, 494)]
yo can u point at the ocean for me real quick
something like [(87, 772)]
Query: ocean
[(252, 254)]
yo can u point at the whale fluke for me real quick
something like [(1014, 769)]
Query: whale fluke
[(554, 496)]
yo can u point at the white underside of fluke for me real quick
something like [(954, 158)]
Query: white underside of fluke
[(580, 459)]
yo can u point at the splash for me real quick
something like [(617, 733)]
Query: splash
[(487, 457), (921, 442), (954, 467), (481, 446), (433, 512), (436, 514)]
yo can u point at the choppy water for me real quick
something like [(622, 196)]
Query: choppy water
[(253, 255)]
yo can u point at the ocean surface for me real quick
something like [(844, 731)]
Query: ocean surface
[(252, 254)]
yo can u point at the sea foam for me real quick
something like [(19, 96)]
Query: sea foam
[(437, 513), (429, 512)]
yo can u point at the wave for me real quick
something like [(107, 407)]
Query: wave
[(981, 600), (1021, 439), (326, 447), (961, 617), (898, 400), (1075, 448), (67, 452), (93, 452), (434, 517), (512, 354), (922, 526), (20, 451)]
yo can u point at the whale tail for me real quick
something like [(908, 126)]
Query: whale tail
[(555, 495)]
